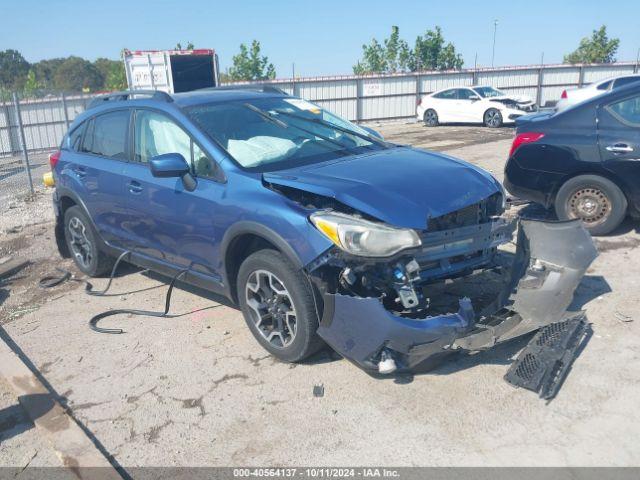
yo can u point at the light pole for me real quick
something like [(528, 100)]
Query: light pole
[(493, 51)]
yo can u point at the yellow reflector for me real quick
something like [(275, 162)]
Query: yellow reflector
[(48, 180), (330, 230)]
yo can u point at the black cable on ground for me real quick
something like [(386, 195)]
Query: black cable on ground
[(53, 281)]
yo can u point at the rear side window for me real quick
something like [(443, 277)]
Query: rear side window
[(107, 135), (605, 85), (620, 82), (75, 137), (628, 111), (447, 95)]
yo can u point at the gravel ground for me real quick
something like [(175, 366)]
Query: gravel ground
[(198, 390)]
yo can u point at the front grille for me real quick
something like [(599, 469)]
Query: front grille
[(473, 214)]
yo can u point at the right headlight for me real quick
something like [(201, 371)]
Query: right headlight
[(362, 237)]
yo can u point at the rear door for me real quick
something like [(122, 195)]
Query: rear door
[(619, 141), (98, 166), (444, 103), (165, 220)]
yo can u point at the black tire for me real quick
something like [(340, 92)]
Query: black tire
[(99, 263), (492, 118), (597, 201), (430, 118), (305, 341)]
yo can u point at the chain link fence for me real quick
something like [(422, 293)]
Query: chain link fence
[(30, 129)]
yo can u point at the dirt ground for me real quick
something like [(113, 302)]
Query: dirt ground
[(198, 390)]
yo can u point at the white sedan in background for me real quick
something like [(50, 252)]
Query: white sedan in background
[(476, 104), (576, 95)]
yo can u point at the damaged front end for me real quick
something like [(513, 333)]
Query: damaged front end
[(456, 291)]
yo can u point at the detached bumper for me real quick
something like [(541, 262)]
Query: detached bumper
[(549, 263)]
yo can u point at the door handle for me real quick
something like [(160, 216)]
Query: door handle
[(619, 148), (134, 187)]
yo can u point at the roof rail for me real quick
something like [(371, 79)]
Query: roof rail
[(255, 87), (129, 95)]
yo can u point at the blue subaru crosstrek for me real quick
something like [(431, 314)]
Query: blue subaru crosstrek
[(318, 229)]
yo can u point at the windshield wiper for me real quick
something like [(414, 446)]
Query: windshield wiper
[(266, 115), (348, 131)]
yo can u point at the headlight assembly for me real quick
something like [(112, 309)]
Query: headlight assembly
[(363, 238)]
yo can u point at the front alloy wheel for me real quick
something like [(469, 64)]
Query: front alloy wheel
[(271, 308), (278, 305), (493, 118)]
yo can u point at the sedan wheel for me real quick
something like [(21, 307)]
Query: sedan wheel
[(493, 118), (590, 204), (430, 118), (595, 200)]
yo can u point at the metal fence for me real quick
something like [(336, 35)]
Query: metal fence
[(389, 97), (30, 128)]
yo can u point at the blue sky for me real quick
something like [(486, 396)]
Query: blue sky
[(321, 37)]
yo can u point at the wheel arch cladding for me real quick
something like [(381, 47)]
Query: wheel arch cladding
[(245, 238)]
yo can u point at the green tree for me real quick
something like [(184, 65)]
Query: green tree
[(430, 52), (249, 64), (32, 86), (113, 73), (45, 70), (13, 70), (374, 59), (76, 74), (189, 46), (598, 48)]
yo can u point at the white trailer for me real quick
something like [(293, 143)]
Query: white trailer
[(171, 71)]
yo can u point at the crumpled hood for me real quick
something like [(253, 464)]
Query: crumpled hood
[(400, 186), (515, 98)]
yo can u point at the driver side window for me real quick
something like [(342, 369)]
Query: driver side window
[(157, 134)]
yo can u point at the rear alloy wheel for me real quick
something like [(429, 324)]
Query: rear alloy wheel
[(278, 306), (430, 118), (493, 118), (595, 200), (83, 244)]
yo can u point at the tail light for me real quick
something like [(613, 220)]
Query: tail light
[(419, 102), (564, 94), (53, 159), (523, 138)]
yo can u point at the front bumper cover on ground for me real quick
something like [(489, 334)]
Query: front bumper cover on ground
[(550, 260)]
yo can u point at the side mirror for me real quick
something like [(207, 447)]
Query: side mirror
[(169, 165), (372, 132), (474, 98)]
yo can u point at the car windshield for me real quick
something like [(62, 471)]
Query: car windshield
[(488, 92), (274, 133)]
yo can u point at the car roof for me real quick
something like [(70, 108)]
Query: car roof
[(607, 96), (199, 97), (608, 79)]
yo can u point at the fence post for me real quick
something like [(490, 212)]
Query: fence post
[(417, 89), (23, 141), (581, 76), (539, 88), (64, 110), (359, 88)]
